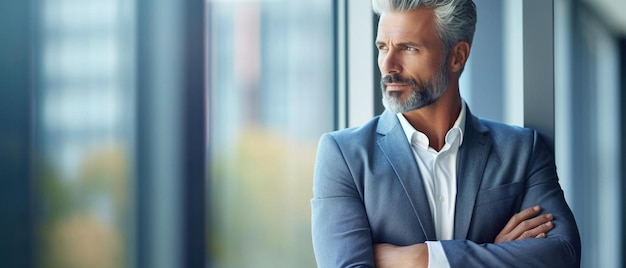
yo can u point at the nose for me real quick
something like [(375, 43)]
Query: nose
[(388, 62)]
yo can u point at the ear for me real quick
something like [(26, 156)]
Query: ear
[(458, 56)]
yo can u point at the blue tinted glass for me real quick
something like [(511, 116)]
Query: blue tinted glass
[(83, 121), (271, 96)]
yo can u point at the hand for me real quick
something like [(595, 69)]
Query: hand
[(388, 255), (526, 224)]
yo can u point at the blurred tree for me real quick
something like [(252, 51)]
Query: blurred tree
[(262, 193), (84, 220)]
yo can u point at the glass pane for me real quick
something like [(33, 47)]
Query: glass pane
[(270, 97), (83, 120)]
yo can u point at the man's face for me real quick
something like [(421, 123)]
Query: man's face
[(411, 60)]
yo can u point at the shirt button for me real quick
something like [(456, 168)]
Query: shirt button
[(442, 199)]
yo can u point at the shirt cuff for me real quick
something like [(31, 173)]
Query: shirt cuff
[(436, 256)]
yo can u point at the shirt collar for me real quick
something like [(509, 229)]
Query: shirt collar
[(459, 125)]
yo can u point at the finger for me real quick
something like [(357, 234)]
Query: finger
[(520, 217), (529, 225), (541, 235), (539, 231), (532, 227), (527, 229)]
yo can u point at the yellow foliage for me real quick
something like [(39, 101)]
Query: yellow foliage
[(83, 241)]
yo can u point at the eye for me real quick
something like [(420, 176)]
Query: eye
[(381, 47), (411, 49)]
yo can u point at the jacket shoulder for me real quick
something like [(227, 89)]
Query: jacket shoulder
[(501, 131), (355, 135), (507, 138)]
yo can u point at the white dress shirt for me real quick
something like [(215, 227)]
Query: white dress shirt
[(438, 170)]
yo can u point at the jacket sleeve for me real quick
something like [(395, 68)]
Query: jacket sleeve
[(340, 229), (561, 247)]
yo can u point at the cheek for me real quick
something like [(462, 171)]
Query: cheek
[(422, 70), (381, 61)]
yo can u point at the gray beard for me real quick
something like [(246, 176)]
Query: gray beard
[(422, 94)]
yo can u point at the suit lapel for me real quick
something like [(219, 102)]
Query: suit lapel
[(471, 164), (394, 145)]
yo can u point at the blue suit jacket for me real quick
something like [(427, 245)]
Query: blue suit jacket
[(368, 189)]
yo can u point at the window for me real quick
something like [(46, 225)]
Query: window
[(271, 96), (105, 115), (83, 123)]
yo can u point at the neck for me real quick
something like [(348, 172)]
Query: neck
[(436, 119)]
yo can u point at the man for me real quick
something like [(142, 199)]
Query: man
[(426, 183)]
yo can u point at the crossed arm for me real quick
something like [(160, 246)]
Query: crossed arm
[(523, 225), (342, 235)]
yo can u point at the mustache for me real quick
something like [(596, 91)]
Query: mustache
[(395, 78)]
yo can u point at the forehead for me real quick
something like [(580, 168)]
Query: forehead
[(414, 24)]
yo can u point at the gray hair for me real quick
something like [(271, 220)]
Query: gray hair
[(456, 19)]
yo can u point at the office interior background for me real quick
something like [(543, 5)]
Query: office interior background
[(165, 133)]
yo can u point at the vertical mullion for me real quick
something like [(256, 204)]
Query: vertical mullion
[(16, 65), (160, 133), (360, 83), (340, 60), (193, 156), (171, 132), (622, 120), (539, 68), (209, 211), (335, 41), (376, 76)]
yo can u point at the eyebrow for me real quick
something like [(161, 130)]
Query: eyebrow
[(402, 43)]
